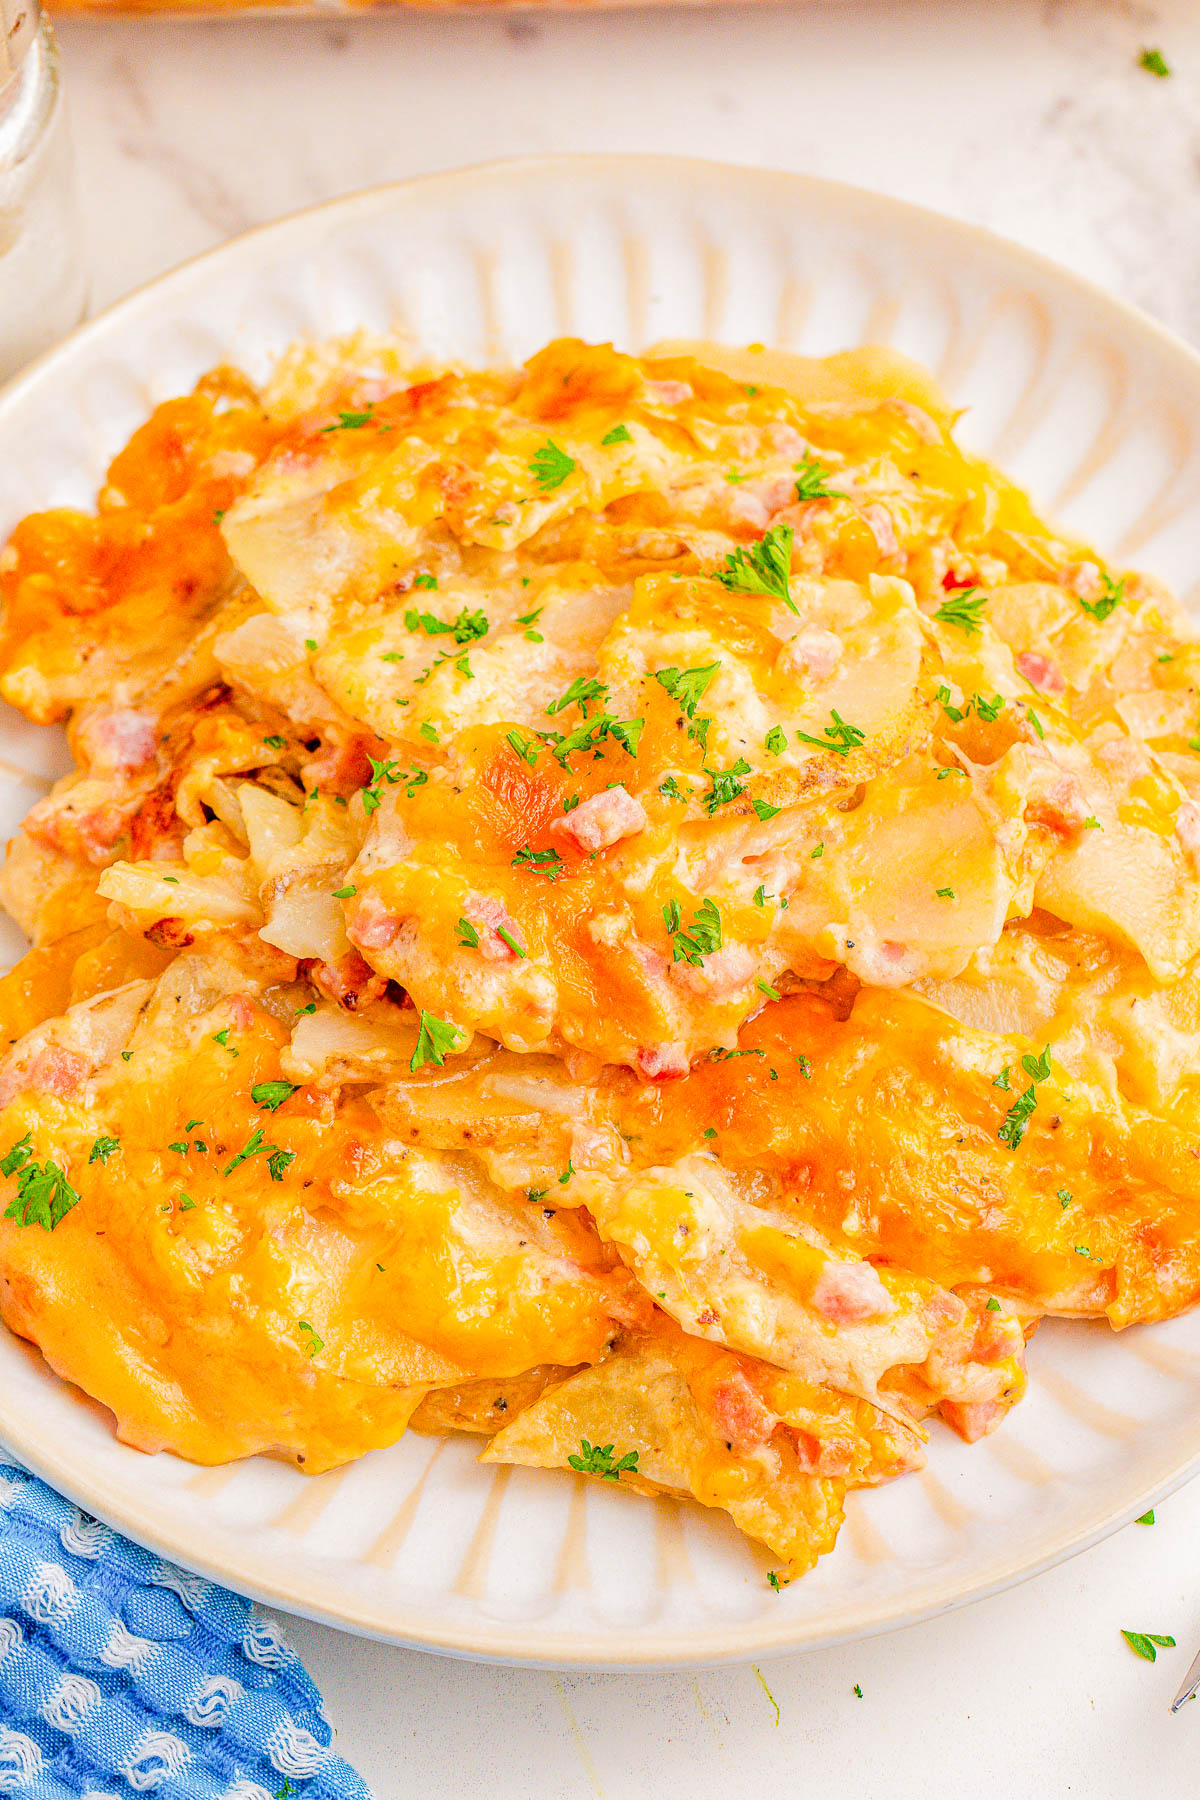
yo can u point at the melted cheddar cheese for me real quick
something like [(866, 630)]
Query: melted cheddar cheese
[(642, 908)]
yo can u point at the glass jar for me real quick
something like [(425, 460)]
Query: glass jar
[(43, 290)]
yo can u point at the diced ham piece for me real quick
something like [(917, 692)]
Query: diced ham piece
[(1083, 578), (490, 917), (1124, 758), (888, 964), (741, 1414), (880, 520), (662, 1062), (1187, 829), (926, 428), (1045, 676), (373, 927), (1057, 801), (668, 393), (90, 832), (833, 1456), (846, 1293), (815, 653), (52, 1071), (350, 981), (721, 975), (343, 765), (784, 439), (117, 741), (973, 1420), (601, 820)]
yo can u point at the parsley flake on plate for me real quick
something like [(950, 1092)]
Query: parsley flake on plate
[(1143, 1643), (103, 1148)]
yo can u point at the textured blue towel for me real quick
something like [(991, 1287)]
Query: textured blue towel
[(121, 1674)]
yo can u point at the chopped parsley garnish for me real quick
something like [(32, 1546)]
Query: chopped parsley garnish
[(506, 937), (1034, 720), (1002, 1080), (670, 788), (465, 629), (1107, 604), (44, 1195), (597, 1459), (777, 1580), (351, 421), (725, 785), (946, 894), (425, 581), (776, 740), (186, 1203), (988, 710), (701, 939), (954, 713), (345, 893), (274, 743), (254, 1146), (764, 811), (813, 481), (583, 692), (819, 851), (1143, 1642), (842, 738), (103, 1148), (963, 609), (430, 732), (1064, 1198), (278, 1161), (687, 687), (435, 1040), (620, 434), (805, 1067), (1154, 63), (269, 1096), (380, 772), (546, 862), (993, 1304), (522, 746), (762, 568), (592, 733), (1092, 823), (1147, 1518), (858, 1689), (1016, 1119), (313, 1343), (764, 987), (468, 937), (551, 466)]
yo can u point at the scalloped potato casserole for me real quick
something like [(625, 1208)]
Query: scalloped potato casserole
[(644, 909)]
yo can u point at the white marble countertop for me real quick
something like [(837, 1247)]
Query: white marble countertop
[(1032, 117)]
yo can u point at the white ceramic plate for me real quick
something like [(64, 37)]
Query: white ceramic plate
[(1098, 412)]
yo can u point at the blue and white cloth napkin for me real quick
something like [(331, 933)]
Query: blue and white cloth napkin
[(121, 1675)]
